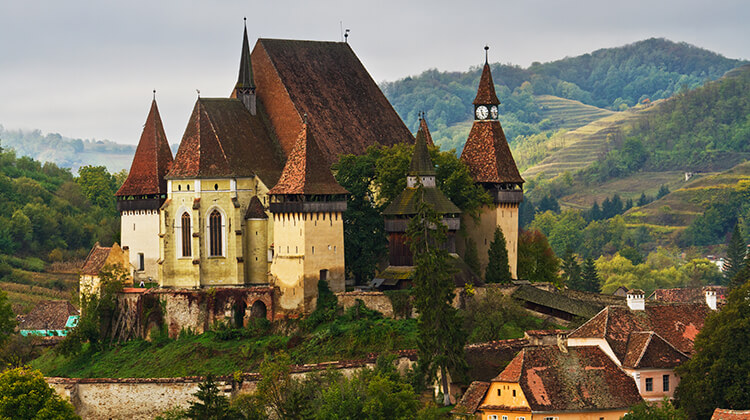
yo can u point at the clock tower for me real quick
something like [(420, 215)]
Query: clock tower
[(488, 157)]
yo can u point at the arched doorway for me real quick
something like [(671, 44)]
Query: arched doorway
[(258, 310), (239, 314)]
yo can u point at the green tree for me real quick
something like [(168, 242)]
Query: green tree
[(663, 410), (284, 396), (717, 373), (7, 318), (536, 260), (736, 253), (589, 277), (98, 185), (498, 270), (210, 404), (440, 336), (571, 271), (24, 394), (663, 190)]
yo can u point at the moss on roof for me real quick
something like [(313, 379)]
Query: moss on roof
[(406, 202)]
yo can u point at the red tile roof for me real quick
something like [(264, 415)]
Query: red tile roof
[(678, 324), (488, 156), (95, 260), (223, 139), (472, 398), (426, 131), (486, 91), (723, 414), (325, 80), (584, 378), (255, 209), (647, 350), (306, 171), (687, 294), (152, 160), (48, 315)]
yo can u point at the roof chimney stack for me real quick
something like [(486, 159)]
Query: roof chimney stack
[(636, 299), (710, 298)]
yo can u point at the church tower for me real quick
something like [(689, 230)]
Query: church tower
[(141, 195), (244, 90), (307, 205), (491, 164)]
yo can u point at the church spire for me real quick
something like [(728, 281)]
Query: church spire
[(425, 130), (486, 93), (244, 90)]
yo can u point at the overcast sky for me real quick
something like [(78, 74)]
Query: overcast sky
[(86, 69)]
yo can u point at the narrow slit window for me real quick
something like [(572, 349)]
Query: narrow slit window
[(186, 245)]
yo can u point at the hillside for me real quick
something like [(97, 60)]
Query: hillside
[(612, 78)]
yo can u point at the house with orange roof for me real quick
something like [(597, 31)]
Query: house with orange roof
[(98, 258)]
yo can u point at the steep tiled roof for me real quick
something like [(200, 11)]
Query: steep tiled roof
[(557, 301), (255, 209), (584, 378), (325, 80), (472, 398), (722, 414), (488, 156), (306, 171), (686, 294), (245, 78), (486, 91), (152, 160), (223, 139), (421, 163), (48, 315), (95, 260), (646, 349), (406, 202), (678, 324), (426, 131)]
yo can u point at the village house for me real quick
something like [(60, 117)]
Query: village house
[(550, 382), (50, 318), (98, 258)]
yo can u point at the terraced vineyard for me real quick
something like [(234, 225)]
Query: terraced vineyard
[(569, 114)]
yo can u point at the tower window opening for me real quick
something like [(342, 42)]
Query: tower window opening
[(188, 187), (186, 245), (179, 187), (216, 187), (214, 228)]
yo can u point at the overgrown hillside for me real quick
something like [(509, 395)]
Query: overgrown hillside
[(612, 78)]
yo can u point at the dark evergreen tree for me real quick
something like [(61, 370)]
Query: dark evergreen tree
[(548, 203), (607, 208), (536, 259), (590, 277), (526, 211), (616, 205), (441, 337), (571, 270), (663, 190), (643, 200), (595, 213), (632, 254), (735, 259), (498, 269), (211, 405), (471, 257), (628, 205)]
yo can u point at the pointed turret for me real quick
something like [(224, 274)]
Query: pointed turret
[(151, 163), (425, 130), (421, 163), (486, 93), (244, 90), (306, 171)]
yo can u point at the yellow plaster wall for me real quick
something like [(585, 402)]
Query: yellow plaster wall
[(305, 244), (483, 231), (256, 253)]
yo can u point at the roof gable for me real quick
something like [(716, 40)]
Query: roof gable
[(646, 349), (223, 139), (488, 155), (95, 260), (471, 399), (327, 80), (584, 378), (306, 170), (151, 161)]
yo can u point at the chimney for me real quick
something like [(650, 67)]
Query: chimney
[(636, 299), (710, 298)]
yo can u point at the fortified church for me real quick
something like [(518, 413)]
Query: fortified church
[(249, 198)]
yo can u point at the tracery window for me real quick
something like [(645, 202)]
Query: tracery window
[(214, 229)]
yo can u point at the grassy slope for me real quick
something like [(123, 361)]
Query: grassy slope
[(41, 286), (569, 114)]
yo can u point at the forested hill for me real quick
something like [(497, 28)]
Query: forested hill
[(613, 78)]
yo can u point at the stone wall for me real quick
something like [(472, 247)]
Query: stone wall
[(376, 301)]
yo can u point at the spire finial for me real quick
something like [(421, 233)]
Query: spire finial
[(154, 94), (486, 54), (346, 35), (199, 93)]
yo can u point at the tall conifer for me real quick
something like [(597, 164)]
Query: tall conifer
[(589, 277), (498, 269), (736, 253)]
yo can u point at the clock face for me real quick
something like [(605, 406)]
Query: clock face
[(493, 112), (482, 112)]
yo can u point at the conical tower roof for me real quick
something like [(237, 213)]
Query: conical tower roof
[(152, 160), (423, 128), (245, 78), (486, 93), (306, 170), (421, 163)]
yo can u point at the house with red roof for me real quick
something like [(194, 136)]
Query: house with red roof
[(99, 257), (549, 382), (646, 341)]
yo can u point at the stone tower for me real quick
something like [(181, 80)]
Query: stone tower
[(141, 196), (491, 164), (308, 230)]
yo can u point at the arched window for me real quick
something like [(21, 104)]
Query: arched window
[(186, 236), (214, 230)]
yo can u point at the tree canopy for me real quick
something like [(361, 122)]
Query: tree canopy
[(24, 394)]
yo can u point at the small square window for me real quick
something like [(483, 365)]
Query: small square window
[(649, 384), (514, 392)]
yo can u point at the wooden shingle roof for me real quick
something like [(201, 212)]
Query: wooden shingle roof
[(152, 160), (488, 155), (486, 92), (48, 315), (223, 139)]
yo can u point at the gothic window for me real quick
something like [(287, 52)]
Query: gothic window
[(186, 245), (214, 231)]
